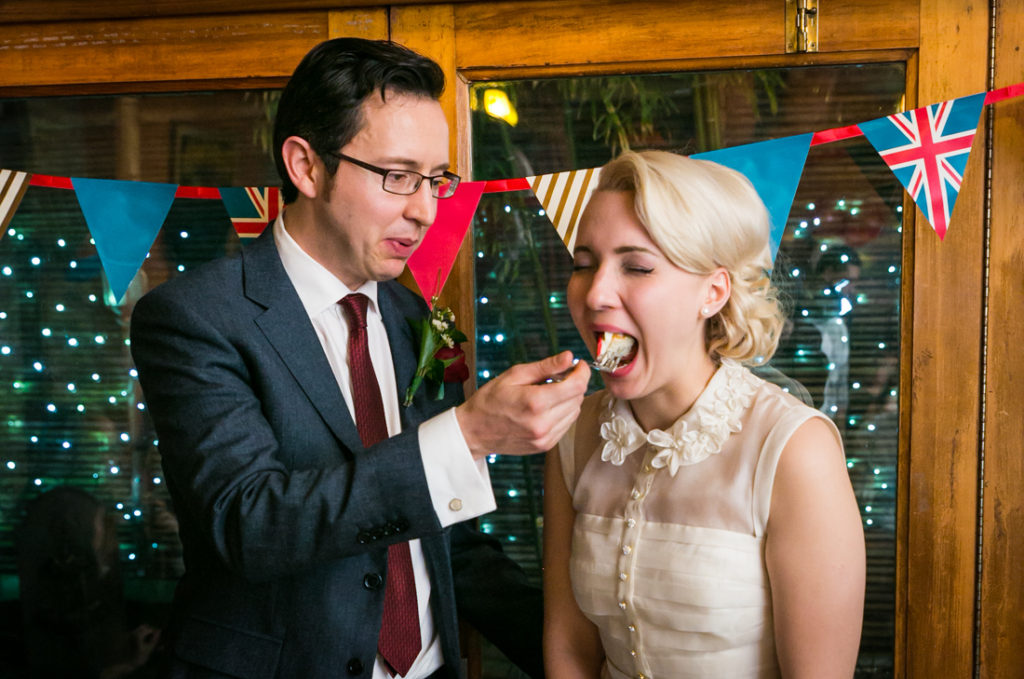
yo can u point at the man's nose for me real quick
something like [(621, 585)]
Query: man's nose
[(421, 206)]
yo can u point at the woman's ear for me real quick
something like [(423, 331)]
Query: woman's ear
[(300, 161), (719, 287)]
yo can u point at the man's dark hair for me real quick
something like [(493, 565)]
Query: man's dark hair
[(322, 102)]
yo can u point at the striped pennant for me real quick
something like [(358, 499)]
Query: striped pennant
[(564, 195), (13, 185)]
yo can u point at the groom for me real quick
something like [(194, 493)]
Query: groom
[(320, 519)]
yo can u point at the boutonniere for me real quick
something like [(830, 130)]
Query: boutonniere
[(441, 358)]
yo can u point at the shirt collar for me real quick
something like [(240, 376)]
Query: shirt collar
[(318, 288)]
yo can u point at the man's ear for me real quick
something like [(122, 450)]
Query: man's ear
[(718, 290), (301, 163)]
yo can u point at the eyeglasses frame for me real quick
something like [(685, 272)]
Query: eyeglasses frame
[(384, 172)]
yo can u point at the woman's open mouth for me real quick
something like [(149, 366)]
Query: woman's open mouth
[(614, 351)]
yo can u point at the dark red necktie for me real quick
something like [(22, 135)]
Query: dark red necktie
[(399, 642)]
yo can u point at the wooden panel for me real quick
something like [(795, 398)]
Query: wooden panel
[(946, 356), (567, 32), (12, 11), (564, 32), (867, 24), (430, 30), (195, 48), (1002, 598)]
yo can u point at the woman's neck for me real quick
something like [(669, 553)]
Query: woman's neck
[(660, 409)]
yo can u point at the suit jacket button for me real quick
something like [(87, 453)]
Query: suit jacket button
[(355, 666), (372, 581)]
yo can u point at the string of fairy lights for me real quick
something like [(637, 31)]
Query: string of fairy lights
[(60, 363)]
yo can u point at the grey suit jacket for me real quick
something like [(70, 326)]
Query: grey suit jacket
[(284, 516)]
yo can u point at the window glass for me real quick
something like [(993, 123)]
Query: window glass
[(838, 266), (73, 411)]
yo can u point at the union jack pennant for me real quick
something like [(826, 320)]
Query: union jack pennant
[(251, 208), (13, 185), (927, 150)]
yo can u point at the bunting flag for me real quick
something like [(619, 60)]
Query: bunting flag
[(251, 208), (927, 150), (564, 195), (124, 218), (774, 167), (433, 259), (13, 185)]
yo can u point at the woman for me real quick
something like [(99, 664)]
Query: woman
[(699, 522)]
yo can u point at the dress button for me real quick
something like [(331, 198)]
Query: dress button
[(626, 550), (622, 605), (635, 494), (623, 577), (631, 628), (630, 522), (455, 505), (372, 581), (354, 666), (364, 537), (633, 653)]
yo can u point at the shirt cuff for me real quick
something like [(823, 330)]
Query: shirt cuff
[(460, 487)]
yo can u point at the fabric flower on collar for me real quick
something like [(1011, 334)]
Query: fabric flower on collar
[(697, 435)]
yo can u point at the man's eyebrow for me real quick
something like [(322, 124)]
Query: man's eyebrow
[(410, 164)]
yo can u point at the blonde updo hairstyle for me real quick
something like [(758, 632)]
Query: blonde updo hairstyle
[(702, 216)]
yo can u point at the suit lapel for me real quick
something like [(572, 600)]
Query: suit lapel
[(286, 326), (404, 351)]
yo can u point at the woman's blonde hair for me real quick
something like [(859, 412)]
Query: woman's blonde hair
[(702, 216)]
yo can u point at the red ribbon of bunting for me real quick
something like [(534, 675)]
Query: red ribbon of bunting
[(520, 183)]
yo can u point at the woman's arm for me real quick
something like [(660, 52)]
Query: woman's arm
[(572, 647), (815, 558)]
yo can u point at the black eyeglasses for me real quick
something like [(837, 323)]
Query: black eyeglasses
[(407, 182)]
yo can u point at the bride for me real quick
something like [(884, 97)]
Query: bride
[(698, 521)]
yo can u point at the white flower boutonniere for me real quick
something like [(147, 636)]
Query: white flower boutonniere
[(441, 358)]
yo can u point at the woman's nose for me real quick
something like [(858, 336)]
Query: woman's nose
[(603, 290)]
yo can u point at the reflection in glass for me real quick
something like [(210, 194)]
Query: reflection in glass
[(838, 265), (72, 407)]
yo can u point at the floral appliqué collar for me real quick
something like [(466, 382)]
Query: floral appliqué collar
[(697, 435)]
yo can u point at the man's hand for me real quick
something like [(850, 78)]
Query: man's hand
[(517, 413)]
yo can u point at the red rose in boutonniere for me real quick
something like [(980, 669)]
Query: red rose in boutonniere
[(441, 358), (457, 370)]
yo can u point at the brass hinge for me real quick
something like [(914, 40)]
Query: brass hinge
[(801, 26)]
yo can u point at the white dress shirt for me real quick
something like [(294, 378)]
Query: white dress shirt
[(460, 487)]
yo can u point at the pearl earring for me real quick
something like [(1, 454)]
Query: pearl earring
[(704, 311)]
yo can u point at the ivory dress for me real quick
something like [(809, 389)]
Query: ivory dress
[(668, 543)]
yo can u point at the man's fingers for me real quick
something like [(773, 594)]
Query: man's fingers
[(539, 371)]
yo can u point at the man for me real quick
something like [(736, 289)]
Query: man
[(319, 518)]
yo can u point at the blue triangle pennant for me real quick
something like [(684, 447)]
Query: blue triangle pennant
[(124, 218), (774, 167)]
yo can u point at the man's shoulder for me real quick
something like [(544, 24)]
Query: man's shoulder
[(218, 278)]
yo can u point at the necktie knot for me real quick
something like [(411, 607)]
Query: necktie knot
[(355, 309)]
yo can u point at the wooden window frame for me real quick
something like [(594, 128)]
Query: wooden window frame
[(958, 539)]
